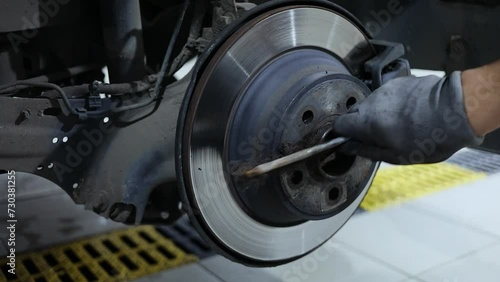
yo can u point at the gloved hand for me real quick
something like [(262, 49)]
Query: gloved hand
[(409, 120)]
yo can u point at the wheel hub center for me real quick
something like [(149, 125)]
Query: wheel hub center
[(291, 105), (331, 181)]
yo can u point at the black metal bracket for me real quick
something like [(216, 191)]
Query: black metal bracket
[(94, 99), (387, 65), (93, 106)]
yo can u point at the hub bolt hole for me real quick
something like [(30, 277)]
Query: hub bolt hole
[(328, 136), (334, 194), (297, 177), (340, 165), (350, 102), (307, 117)]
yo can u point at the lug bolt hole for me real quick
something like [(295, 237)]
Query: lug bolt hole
[(334, 194), (350, 102), (339, 165), (307, 117), (297, 177), (328, 136)]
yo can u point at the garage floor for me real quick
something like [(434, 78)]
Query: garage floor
[(451, 233)]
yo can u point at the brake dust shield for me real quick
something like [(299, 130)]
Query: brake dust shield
[(272, 84)]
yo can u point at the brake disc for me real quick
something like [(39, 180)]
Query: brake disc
[(271, 85)]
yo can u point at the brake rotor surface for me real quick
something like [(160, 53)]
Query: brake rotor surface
[(271, 85)]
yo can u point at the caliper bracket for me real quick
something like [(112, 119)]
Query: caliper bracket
[(387, 64)]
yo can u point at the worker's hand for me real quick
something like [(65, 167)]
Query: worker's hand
[(409, 120)]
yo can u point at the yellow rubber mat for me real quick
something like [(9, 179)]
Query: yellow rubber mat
[(397, 184), (118, 256)]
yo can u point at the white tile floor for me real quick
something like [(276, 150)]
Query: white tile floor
[(412, 242)]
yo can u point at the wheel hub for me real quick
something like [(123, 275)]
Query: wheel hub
[(288, 106)]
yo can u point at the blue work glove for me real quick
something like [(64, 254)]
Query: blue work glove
[(409, 120)]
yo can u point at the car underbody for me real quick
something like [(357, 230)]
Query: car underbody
[(89, 101)]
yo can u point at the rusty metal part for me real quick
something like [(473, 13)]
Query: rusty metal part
[(326, 184)]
